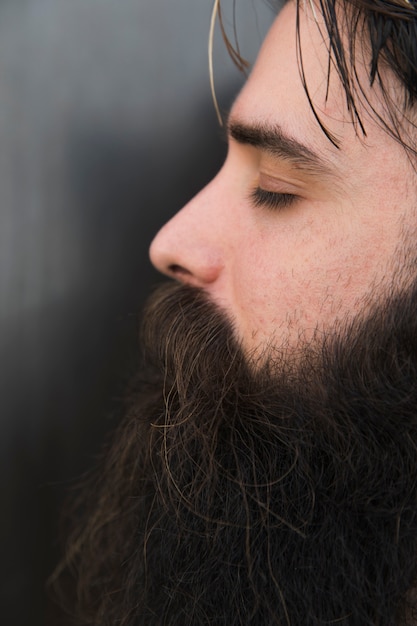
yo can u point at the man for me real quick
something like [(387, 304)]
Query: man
[(266, 472)]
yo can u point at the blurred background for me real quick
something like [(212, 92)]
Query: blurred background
[(106, 129)]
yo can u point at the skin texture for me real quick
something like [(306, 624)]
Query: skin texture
[(302, 266)]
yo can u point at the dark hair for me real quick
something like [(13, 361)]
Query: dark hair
[(387, 31)]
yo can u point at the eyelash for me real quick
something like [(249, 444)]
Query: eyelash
[(271, 199)]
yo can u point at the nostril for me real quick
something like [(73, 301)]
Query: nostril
[(178, 270)]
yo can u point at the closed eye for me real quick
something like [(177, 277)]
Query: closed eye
[(271, 199)]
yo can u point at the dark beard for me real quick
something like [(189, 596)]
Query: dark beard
[(284, 494)]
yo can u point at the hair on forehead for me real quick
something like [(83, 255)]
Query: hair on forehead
[(386, 31)]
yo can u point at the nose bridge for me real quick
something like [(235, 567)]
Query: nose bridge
[(190, 246)]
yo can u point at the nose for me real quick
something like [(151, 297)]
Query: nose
[(189, 247)]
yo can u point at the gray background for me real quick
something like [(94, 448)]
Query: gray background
[(106, 129)]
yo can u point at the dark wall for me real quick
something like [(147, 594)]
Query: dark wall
[(106, 129)]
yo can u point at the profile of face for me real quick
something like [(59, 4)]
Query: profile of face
[(294, 233), (283, 493)]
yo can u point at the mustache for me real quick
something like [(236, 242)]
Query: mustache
[(185, 336), (192, 344)]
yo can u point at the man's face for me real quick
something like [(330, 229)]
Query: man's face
[(294, 234), (284, 493)]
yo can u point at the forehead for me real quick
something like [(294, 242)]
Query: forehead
[(275, 93)]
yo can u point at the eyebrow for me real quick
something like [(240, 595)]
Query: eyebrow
[(273, 140)]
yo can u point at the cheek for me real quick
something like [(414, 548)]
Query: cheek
[(312, 281), (271, 285)]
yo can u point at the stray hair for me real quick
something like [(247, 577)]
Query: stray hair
[(232, 49)]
